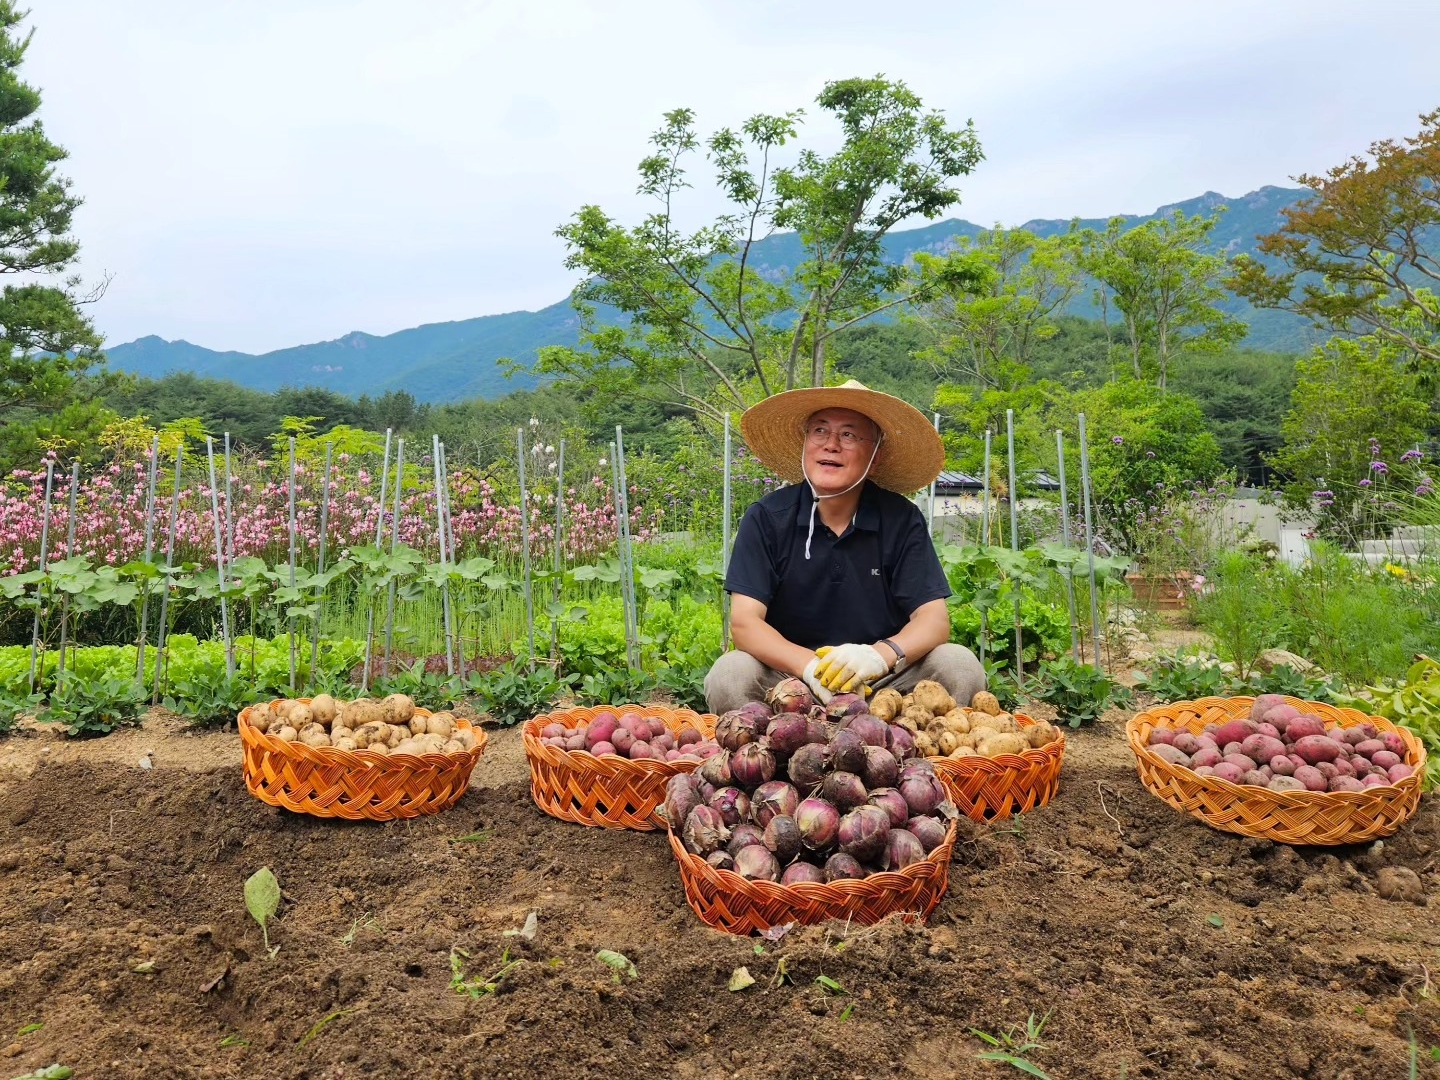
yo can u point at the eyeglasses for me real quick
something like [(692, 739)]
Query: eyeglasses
[(820, 434)]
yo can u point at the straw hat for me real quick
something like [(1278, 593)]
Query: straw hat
[(911, 452)]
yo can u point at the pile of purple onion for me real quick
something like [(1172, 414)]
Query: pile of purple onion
[(630, 735), (800, 793)]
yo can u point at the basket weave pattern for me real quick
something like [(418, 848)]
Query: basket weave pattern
[(725, 900), (356, 785), (991, 789), (1288, 817), (610, 791)]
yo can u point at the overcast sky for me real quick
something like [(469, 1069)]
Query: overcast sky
[(274, 172)]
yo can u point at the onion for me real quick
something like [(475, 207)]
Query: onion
[(863, 832), (706, 789), (752, 765), (787, 733), (923, 793), (928, 830), (843, 705), (893, 803), (845, 790), (720, 860), (917, 766), (847, 752), (881, 768), (900, 743), (808, 765), (802, 872), (818, 822), (782, 837), (790, 695), (744, 836), (772, 799), (716, 770), (735, 729), (872, 730), (732, 804), (901, 849), (757, 864), (817, 728), (704, 830), (682, 794), (756, 709), (841, 867)]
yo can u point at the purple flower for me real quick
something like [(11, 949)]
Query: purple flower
[(1116, 439), (1366, 483), (1379, 467), (1412, 455)]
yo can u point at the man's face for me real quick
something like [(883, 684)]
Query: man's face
[(838, 445)]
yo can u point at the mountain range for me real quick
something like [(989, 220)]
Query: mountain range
[(455, 360)]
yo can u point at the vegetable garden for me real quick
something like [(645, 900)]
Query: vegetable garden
[(408, 624)]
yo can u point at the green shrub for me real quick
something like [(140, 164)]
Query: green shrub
[(94, 706)]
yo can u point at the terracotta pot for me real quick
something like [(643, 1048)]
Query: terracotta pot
[(1163, 591)]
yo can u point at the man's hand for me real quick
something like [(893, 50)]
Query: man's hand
[(818, 688), (846, 669)]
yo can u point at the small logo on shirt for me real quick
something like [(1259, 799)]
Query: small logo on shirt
[(874, 571)]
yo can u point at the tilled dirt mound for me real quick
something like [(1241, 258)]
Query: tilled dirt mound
[(1156, 946)]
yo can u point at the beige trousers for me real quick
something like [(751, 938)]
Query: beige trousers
[(738, 677)]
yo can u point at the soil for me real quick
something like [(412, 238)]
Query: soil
[(1154, 945)]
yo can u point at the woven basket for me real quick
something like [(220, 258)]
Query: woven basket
[(725, 900), (356, 785), (1288, 817), (989, 789), (610, 792)]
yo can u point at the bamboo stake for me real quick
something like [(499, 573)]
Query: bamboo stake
[(44, 554), (394, 543), (1014, 535), (1089, 539), (985, 542), (290, 621), (1069, 571), (220, 561), (324, 526), (559, 541), (379, 535), (160, 655), (725, 543), (438, 461), (149, 551), (525, 545), (69, 554)]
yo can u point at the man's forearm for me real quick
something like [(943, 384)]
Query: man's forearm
[(770, 647), (928, 627)]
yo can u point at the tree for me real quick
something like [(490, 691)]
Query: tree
[(1166, 288), (1353, 401), (1361, 254), (46, 343), (993, 302), (697, 324)]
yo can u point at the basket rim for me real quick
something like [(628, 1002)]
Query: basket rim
[(584, 761), (939, 858), (267, 743), (1034, 757), (1379, 794)]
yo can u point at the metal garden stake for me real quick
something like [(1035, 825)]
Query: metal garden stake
[(290, 620), (438, 460), (149, 551), (1014, 534), (394, 542), (320, 562), (525, 545), (1069, 571), (559, 541), (1089, 539), (725, 543), (379, 536), (44, 554), (69, 554), (169, 563), (220, 562)]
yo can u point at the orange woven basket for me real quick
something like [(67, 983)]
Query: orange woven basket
[(1288, 817), (990, 789), (609, 792), (356, 785), (725, 900)]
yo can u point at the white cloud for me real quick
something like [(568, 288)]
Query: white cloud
[(262, 174)]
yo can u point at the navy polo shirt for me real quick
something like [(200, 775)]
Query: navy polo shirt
[(860, 586)]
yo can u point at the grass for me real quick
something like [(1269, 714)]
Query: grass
[(1014, 1046)]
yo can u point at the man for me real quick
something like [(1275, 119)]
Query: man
[(835, 579)]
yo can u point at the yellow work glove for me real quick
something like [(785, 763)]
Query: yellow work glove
[(818, 688), (845, 669)]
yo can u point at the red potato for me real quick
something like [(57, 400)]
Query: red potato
[(1231, 748), (1311, 777), (1398, 772), (1281, 716), (1227, 771), (1166, 752), (1259, 747), (1162, 736), (657, 727), (1281, 765), (1317, 748), (1205, 757), (600, 729), (1268, 729), (1185, 742), (1376, 780), (1385, 759), (689, 736), (1303, 726), (640, 751), (1328, 770), (1369, 747), (1344, 768), (550, 731), (1285, 783), (1296, 760), (1243, 762), (602, 747), (1263, 704), (1350, 736), (1204, 770), (1346, 783), (622, 740), (1235, 731), (1255, 778), (1394, 743), (575, 742)]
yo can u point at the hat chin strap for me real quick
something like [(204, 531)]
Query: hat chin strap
[(816, 496)]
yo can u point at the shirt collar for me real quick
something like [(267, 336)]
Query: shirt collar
[(867, 514)]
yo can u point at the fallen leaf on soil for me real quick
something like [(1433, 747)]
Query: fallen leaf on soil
[(741, 979)]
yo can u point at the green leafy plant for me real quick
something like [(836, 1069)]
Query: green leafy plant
[(94, 706), (49, 1072), (617, 686), (1014, 1046), (1079, 692), (15, 705), (262, 900), (1283, 679), (476, 986), (511, 694), (209, 698), (1415, 705), (618, 963), (1240, 610), (428, 689), (1174, 679)]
